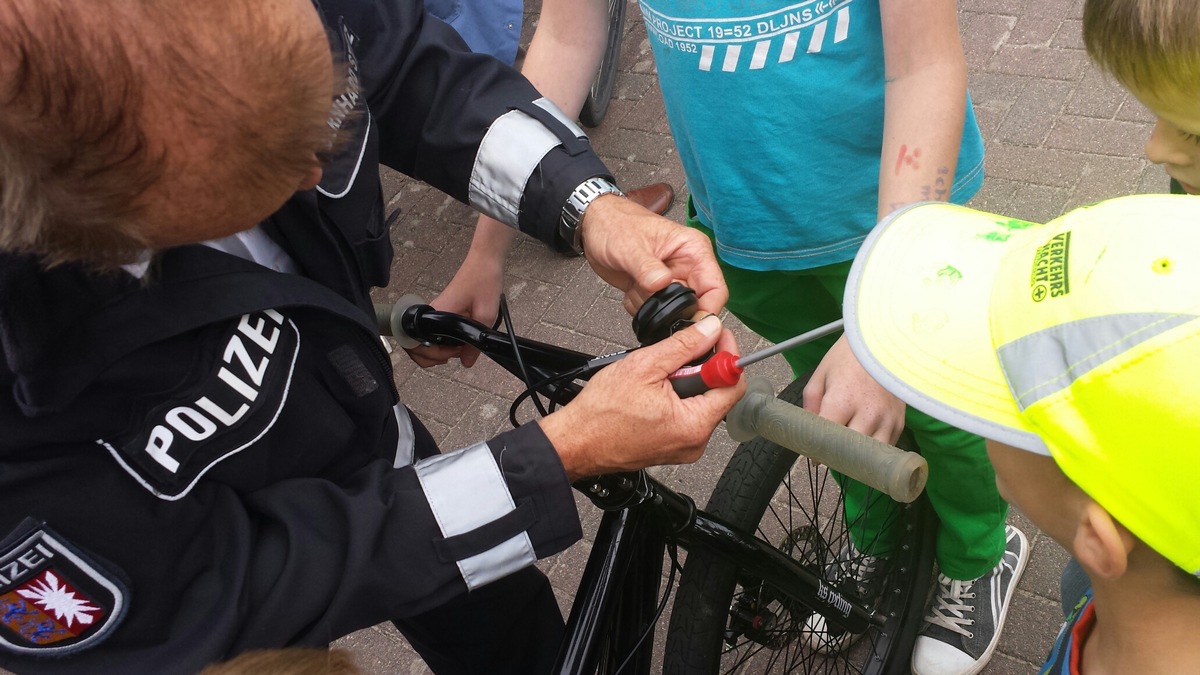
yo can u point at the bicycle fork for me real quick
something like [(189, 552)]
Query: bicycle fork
[(614, 609)]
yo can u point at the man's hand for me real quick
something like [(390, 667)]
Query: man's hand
[(640, 252), (841, 391), (628, 416)]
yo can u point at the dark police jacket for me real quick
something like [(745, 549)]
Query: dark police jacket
[(216, 460)]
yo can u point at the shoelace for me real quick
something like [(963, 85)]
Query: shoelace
[(950, 608), (861, 569)]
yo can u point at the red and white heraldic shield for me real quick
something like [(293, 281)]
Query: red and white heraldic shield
[(53, 598)]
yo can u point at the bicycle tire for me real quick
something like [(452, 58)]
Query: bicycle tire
[(595, 106), (709, 632)]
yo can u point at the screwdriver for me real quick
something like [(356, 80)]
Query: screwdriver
[(723, 369)]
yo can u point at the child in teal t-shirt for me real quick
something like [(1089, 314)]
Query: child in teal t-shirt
[(799, 125)]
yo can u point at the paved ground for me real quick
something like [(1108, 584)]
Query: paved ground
[(1058, 135)]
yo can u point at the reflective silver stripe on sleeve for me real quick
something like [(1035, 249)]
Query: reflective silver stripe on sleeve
[(466, 490), (1048, 361), (508, 155), (548, 105), (406, 440)]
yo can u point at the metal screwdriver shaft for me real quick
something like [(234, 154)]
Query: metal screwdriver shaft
[(721, 370), (789, 343)]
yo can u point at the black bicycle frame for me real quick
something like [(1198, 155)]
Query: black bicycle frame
[(615, 605)]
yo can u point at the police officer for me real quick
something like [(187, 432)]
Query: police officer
[(202, 451)]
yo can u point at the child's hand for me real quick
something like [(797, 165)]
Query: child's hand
[(841, 391)]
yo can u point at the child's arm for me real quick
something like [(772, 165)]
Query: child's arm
[(563, 57), (925, 102)]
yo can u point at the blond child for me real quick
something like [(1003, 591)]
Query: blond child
[(1152, 47)]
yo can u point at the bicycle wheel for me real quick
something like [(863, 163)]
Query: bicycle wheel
[(725, 622), (596, 104)]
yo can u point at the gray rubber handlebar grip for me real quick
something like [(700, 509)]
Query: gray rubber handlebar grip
[(898, 473), (388, 317)]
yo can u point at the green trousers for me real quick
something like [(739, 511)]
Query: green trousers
[(962, 484)]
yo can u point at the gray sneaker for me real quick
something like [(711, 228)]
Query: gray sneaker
[(965, 617), (852, 573)]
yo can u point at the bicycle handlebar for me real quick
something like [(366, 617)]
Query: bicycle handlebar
[(898, 473), (389, 316)]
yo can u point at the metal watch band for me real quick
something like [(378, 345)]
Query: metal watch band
[(581, 197)]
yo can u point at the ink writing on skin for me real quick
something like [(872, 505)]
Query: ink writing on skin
[(908, 158)]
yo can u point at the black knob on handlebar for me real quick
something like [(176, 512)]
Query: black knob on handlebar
[(657, 317)]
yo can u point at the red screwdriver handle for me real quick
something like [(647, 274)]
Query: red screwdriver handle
[(720, 370)]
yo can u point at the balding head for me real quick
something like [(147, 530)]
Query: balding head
[(135, 124)]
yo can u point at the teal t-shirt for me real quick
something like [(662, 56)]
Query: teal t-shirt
[(777, 111)]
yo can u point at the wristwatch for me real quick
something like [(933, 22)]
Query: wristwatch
[(572, 213)]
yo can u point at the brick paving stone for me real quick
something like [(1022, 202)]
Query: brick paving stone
[(1034, 30), (1070, 35), (1097, 95), (633, 145), (647, 114), (1131, 109), (535, 261), (1042, 575), (998, 90), (1153, 179), (995, 195), (633, 86), (1035, 113), (1054, 9), (1121, 139), (1005, 7), (983, 33), (1037, 203), (1040, 166), (1037, 61), (433, 396), (486, 416), (1104, 177), (572, 339)]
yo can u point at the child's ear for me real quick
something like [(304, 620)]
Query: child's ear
[(1101, 544)]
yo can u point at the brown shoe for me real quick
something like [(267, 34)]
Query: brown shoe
[(656, 197)]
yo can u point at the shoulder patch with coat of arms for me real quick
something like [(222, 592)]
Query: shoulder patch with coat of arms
[(54, 599)]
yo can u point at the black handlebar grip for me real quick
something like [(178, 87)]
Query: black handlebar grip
[(656, 318)]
